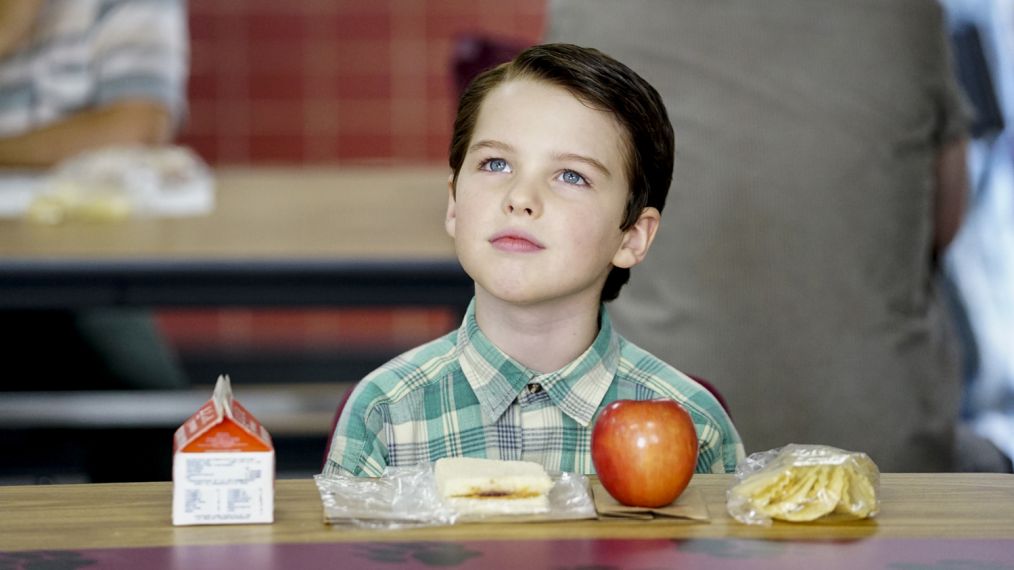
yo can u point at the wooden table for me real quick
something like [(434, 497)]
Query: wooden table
[(277, 237), (926, 521)]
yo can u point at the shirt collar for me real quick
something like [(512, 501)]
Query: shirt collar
[(577, 388)]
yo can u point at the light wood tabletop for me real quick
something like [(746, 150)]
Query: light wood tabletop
[(277, 236), (379, 212), (927, 506)]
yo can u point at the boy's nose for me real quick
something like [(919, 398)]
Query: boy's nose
[(522, 199)]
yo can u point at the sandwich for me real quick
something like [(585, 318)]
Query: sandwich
[(492, 486)]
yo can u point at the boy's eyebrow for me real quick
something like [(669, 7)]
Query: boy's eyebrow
[(502, 146), (585, 159), (496, 145)]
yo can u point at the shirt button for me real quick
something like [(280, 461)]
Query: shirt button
[(534, 388)]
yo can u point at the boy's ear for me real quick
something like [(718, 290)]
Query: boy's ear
[(637, 239), (449, 220)]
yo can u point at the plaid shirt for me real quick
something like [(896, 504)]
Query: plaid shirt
[(460, 395)]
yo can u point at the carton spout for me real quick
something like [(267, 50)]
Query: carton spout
[(222, 396)]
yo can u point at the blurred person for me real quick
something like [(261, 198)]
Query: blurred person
[(980, 263), (820, 175), (77, 75)]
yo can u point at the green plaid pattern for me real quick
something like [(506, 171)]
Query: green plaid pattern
[(459, 395)]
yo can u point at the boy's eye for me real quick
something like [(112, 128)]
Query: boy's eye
[(571, 177), (495, 165)]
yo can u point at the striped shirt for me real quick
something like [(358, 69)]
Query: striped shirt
[(83, 54), (460, 395)]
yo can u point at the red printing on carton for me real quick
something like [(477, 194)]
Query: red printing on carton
[(222, 424)]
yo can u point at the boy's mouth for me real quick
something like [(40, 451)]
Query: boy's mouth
[(515, 241)]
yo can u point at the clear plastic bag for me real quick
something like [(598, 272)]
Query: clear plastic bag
[(801, 483), (116, 183), (408, 496)]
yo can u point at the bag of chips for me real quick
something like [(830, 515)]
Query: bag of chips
[(801, 483)]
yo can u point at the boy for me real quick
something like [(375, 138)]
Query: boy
[(561, 161)]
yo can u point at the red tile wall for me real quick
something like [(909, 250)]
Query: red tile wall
[(332, 81), (232, 330)]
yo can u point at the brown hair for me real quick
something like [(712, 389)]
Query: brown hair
[(602, 83)]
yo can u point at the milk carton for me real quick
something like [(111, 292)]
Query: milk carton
[(223, 465)]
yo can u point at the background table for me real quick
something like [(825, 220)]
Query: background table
[(926, 521), (277, 237)]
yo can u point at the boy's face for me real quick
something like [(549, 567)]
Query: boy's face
[(540, 197)]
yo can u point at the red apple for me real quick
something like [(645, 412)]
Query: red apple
[(644, 451)]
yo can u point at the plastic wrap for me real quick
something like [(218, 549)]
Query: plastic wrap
[(116, 183), (408, 496), (803, 483)]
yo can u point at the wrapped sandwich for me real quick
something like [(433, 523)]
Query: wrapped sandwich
[(493, 487)]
